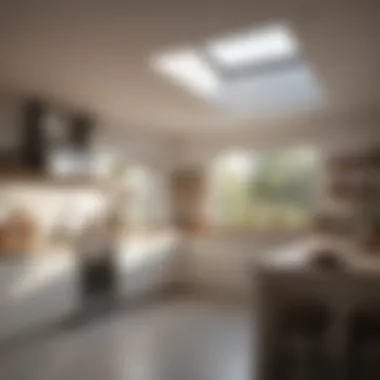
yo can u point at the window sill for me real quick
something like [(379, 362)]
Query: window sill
[(250, 231)]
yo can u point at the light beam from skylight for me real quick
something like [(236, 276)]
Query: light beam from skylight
[(269, 44), (188, 69)]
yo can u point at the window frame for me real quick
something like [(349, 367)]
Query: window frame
[(216, 228)]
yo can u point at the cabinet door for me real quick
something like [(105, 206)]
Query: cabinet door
[(187, 191)]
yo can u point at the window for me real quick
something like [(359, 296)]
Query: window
[(230, 189), (275, 189)]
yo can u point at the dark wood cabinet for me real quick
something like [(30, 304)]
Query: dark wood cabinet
[(46, 136)]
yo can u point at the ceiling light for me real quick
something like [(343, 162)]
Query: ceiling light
[(188, 69), (255, 47)]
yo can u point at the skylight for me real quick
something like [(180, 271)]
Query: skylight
[(282, 91), (188, 69), (257, 47), (258, 72)]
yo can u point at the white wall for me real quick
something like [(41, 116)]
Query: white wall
[(225, 263), (10, 122)]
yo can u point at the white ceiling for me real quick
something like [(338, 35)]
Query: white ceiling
[(95, 54)]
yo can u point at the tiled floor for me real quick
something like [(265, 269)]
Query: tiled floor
[(172, 340)]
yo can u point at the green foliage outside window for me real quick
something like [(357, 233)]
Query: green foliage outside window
[(279, 191)]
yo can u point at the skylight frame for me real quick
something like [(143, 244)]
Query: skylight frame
[(188, 68), (254, 48)]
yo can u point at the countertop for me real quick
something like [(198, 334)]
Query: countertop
[(299, 256)]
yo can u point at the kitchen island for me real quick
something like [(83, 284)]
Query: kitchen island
[(314, 319)]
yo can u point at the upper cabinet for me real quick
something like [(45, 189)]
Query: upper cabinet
[(40, 138)]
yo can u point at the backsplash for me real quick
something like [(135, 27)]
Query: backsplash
[(46, 212)]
